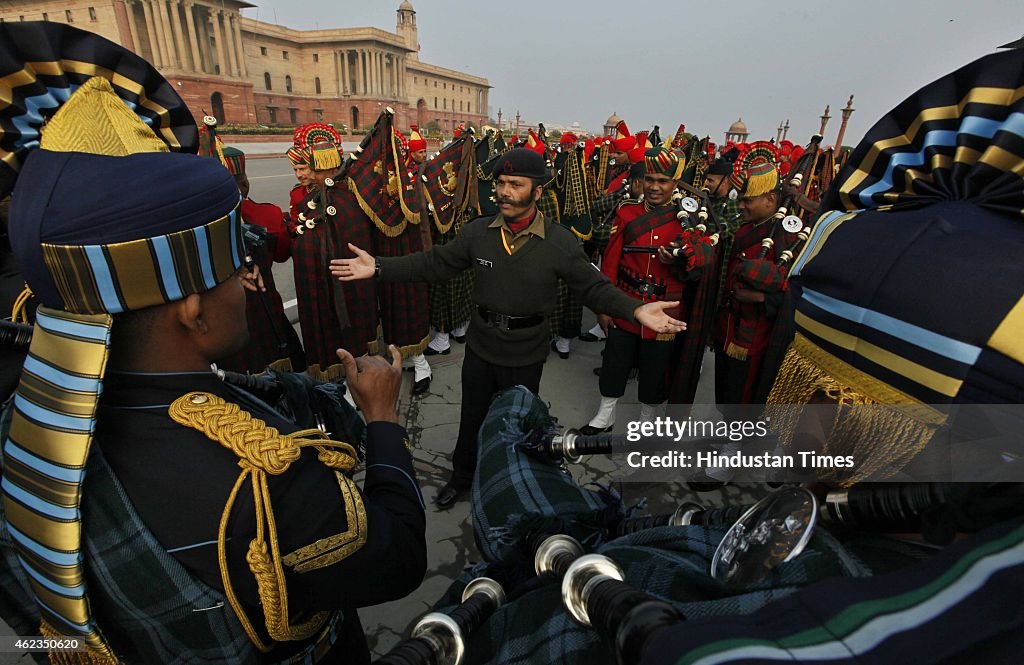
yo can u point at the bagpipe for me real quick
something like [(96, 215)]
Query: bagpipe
[(785, 217), (316, 208), (935, 510), (440, 639), (593, 592)]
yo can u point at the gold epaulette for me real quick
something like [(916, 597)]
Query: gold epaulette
[(263, 450)]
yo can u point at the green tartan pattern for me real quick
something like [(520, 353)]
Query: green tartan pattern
[(671, 563), (566, 318), (725, 210), (548, 204), (144, 600), (451, 302)]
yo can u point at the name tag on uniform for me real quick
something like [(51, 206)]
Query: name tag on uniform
[(485, 263)]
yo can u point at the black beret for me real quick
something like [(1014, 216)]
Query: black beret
[(724, 164), (521, 162)]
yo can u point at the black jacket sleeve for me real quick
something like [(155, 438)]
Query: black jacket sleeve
[(592, 287)]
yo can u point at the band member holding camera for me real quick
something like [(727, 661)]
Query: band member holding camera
[(640, 261)]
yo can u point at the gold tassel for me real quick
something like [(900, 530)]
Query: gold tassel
[(407, 351), (325, 157), (881, 427), (93, 655), (389, 231), (733, 350), (19, 312)]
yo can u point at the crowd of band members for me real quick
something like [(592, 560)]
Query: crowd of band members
[(732, 315)]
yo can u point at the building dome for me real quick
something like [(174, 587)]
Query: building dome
[(612, 120), (406, 6), (738, 127)]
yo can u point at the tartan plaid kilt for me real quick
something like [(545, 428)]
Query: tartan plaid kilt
[(566, 318), (451, 301), (671, 563), (145, 602), (404, 306), (333, 314), (265, 332)]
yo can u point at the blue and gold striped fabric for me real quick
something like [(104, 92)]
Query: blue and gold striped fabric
[(912, 289), (958, 138), (132, 275), (44, 464), (43, 63)]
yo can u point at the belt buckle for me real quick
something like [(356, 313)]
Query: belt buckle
[(502, 322)]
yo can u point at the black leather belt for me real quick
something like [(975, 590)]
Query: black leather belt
[(640, 286), (508, 322)]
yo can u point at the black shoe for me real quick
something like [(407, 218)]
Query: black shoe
[(461, 339), (590, 337), (447, 496), (421, 386), (564, 355), (587, 430), (431, 351)]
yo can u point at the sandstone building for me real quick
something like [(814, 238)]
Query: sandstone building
[(245, 71)]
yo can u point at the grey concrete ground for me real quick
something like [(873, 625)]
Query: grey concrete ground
[(432, 420)]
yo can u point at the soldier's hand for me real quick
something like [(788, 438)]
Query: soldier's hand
[(653, 316), (374, 383), (665, 253), (252, 280), (605, 322), (362, 267)]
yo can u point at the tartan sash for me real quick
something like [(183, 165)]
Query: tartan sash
[(647, 222)]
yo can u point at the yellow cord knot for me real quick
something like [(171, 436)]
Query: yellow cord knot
[(261, 450), (336, 459), (256, 444)]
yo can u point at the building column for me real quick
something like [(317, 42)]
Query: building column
[(336, 61), (359, 72), (405, 77), (392, 78), (378, 78), (154, 47), (219, 41), (236, 29), (229, 42), (398, 76), (345, 79), (371, 72), (377, 72), (206, 49), (190, 25), (129, 5), (170, 57), (179, 38)]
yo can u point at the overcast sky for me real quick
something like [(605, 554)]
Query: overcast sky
[(704, 64)]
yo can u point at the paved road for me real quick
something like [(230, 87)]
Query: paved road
[(568, 385)]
